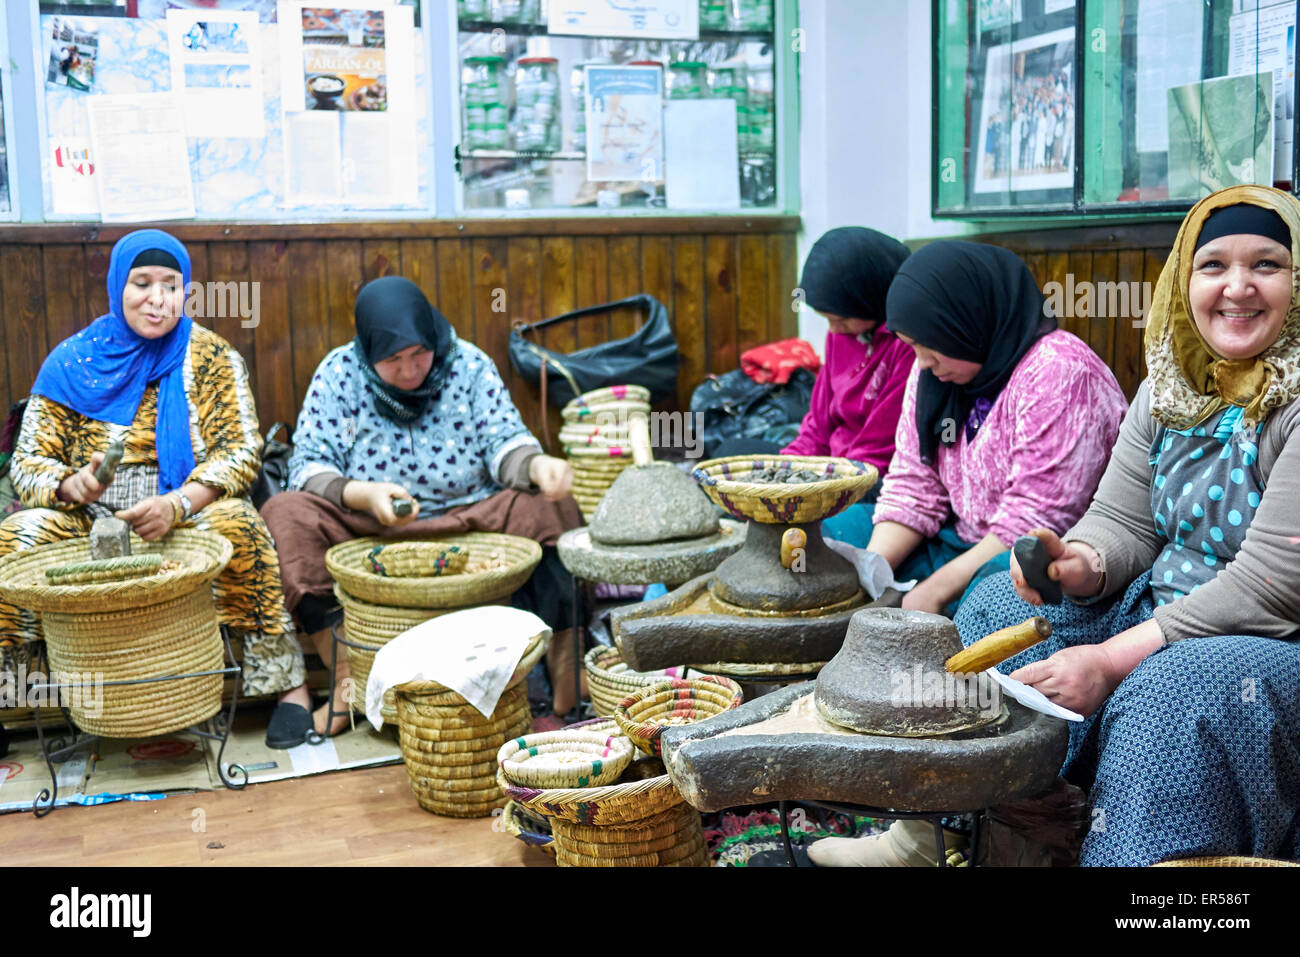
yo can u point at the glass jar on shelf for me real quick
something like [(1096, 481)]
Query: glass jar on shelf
[(687, 80), (537, 104), (713, 14), (472, 10), (749, 14), (578, 89), (485, 110), (506, 11), (762, 111)]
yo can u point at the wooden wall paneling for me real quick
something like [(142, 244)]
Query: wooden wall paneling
[(1126, 357), (591, 269), (343, 281), (657, 277), (200, 268), (453, 297), (22, 288), (492, 329), (753, 311), (524, 301), (1037, 263), (1106, 302), (689, 315), (307, 312), (420, 264), (781, 283), (562, 275), (273, 386), (1080, 268), (10, 394), (64, 267), (1055, 271), (96, 289), (720, 271), (624, 254), (220, 302), (381, 257)]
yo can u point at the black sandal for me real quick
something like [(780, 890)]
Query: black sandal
[(291, 725)]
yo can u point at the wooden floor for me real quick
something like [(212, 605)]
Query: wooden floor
[(342, 818)]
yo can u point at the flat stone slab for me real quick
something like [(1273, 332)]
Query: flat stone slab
[(800, 755), (670, 562), (663, 633)]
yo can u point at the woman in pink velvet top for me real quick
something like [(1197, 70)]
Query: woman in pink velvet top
[(1007, 421), (858, 395)]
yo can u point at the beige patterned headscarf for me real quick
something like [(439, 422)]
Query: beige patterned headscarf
[(1189, 381)]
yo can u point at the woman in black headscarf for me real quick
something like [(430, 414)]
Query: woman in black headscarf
[(1007, 422), (408, 411)]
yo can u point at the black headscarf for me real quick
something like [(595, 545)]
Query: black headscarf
[(393, 314), (967, 301), (848, 272)]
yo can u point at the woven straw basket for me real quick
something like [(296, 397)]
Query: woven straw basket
[(643, 715), (609, 679), (531, 829), (347, 564), (145, 627), (565, 758), (642, 821), (375, 626), (727, 482), (452, 775)]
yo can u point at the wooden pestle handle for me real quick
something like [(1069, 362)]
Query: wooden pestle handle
[(638, 433), (996, 648), (792, 539)]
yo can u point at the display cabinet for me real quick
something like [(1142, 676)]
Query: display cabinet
[(1109, 106)]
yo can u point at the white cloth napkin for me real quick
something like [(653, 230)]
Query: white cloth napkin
[(874, 573), (473, 652)]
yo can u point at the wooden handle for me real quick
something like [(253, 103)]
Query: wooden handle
[(792, 541), (998, 647), (108, 467), (638, 433)]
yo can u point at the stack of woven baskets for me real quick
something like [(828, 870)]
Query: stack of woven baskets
[(610, 680), (379, 607), (596, 441), (604, 809), (450, 748), (146, 616)]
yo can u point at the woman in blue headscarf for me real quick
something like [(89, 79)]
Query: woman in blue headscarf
[(177, 396)]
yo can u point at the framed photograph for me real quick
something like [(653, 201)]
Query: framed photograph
[(1025, 138)]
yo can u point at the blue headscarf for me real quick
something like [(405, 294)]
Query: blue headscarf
[(103, 370)]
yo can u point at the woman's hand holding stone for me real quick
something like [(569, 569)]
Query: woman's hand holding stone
[(1075, 565), (80, 487), (151, 518), (553, 476), (377, 499)]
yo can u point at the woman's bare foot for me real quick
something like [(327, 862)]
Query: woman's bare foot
[(342, 703), (299, 696)]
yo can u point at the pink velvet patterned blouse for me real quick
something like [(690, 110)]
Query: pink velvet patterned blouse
[(1035, 461)]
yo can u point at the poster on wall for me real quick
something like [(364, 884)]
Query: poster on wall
[(1215, 139), (216, 71), (72, 54), (1266, 41), (142, 166), (73, 189), (660, 19), (624, 124), (344, 59), (1025, 137), (348, 82)]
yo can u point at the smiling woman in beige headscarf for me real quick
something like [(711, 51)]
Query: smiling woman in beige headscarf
[(1184, 573)]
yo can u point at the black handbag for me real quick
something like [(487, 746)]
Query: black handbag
[(734, 406), (647, 358), (274, 476)]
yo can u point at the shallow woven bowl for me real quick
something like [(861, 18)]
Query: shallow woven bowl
[(565, 759), (727, 482), (345, 563), (644, 715), (531, 829)]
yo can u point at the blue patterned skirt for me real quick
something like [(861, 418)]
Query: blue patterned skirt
[(1196, 753)]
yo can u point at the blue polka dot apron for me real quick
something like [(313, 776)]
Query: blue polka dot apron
[(1204, 492)]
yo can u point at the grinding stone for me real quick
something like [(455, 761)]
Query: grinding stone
[(653, 503), (109, 538)]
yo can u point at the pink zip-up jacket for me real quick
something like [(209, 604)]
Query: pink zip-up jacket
[(857, 399), (1035, 461)]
